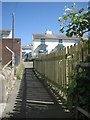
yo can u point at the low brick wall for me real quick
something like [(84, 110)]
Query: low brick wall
[(7, 82)]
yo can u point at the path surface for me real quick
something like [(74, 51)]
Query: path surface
[(30, 99)]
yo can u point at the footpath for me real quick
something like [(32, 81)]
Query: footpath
[(31, 99)]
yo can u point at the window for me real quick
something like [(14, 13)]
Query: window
[(60, 40), (76, 41), (42, 41)]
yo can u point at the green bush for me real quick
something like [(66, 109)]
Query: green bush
[(19, 71), (78, 92), (0, 66)]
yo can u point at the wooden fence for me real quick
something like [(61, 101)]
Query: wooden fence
[(57, 67)]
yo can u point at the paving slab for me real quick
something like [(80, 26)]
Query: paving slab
[(30, 99)]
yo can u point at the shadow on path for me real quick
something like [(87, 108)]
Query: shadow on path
[(33, 100)]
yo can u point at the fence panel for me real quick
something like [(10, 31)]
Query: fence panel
[(57, 67)]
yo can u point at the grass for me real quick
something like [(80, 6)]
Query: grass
[(19, 71), (0, 66)]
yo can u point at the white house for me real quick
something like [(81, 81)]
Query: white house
[(5, 33), (26, 50), (49, 42)]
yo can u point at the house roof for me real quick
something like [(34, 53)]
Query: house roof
[(42, 45), (60, 45), (52, 36), (26, 46), (5, 32)]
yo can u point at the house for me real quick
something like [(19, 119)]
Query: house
[(6, 40), (26, 52), (5, 33), (49, 42)]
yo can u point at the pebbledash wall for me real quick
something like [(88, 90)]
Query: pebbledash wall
[(6, 56), (7, 81)]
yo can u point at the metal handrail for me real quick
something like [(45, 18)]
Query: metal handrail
[(7, 64)]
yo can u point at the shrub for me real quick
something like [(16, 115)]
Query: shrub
[(19, 71), (78, 92)]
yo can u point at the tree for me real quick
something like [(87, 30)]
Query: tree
[(75, 23)]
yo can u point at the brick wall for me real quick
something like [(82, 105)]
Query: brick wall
[(6, 55)]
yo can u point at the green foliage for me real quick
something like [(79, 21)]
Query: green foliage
[(0, 66), (81, 10), (65, 17), (19, 71), (76, 23), (78, 92), (61, 30)]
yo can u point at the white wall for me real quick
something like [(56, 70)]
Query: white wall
[(51, 44), (7, 36), (10, 35), (35, 43), (68, 42)]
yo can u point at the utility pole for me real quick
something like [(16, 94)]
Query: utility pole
[(12, 31), (13, 54)]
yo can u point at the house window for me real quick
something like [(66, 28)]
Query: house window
[(60, 41), (76, 41), (42, 41)]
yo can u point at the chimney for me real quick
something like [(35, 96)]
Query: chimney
[(48, 32)]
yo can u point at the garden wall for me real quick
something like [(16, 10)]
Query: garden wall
[(7, 82)]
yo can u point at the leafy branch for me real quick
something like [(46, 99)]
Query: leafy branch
[(76, 23)]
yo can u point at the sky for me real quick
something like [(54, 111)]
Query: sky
[(34, 17)]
